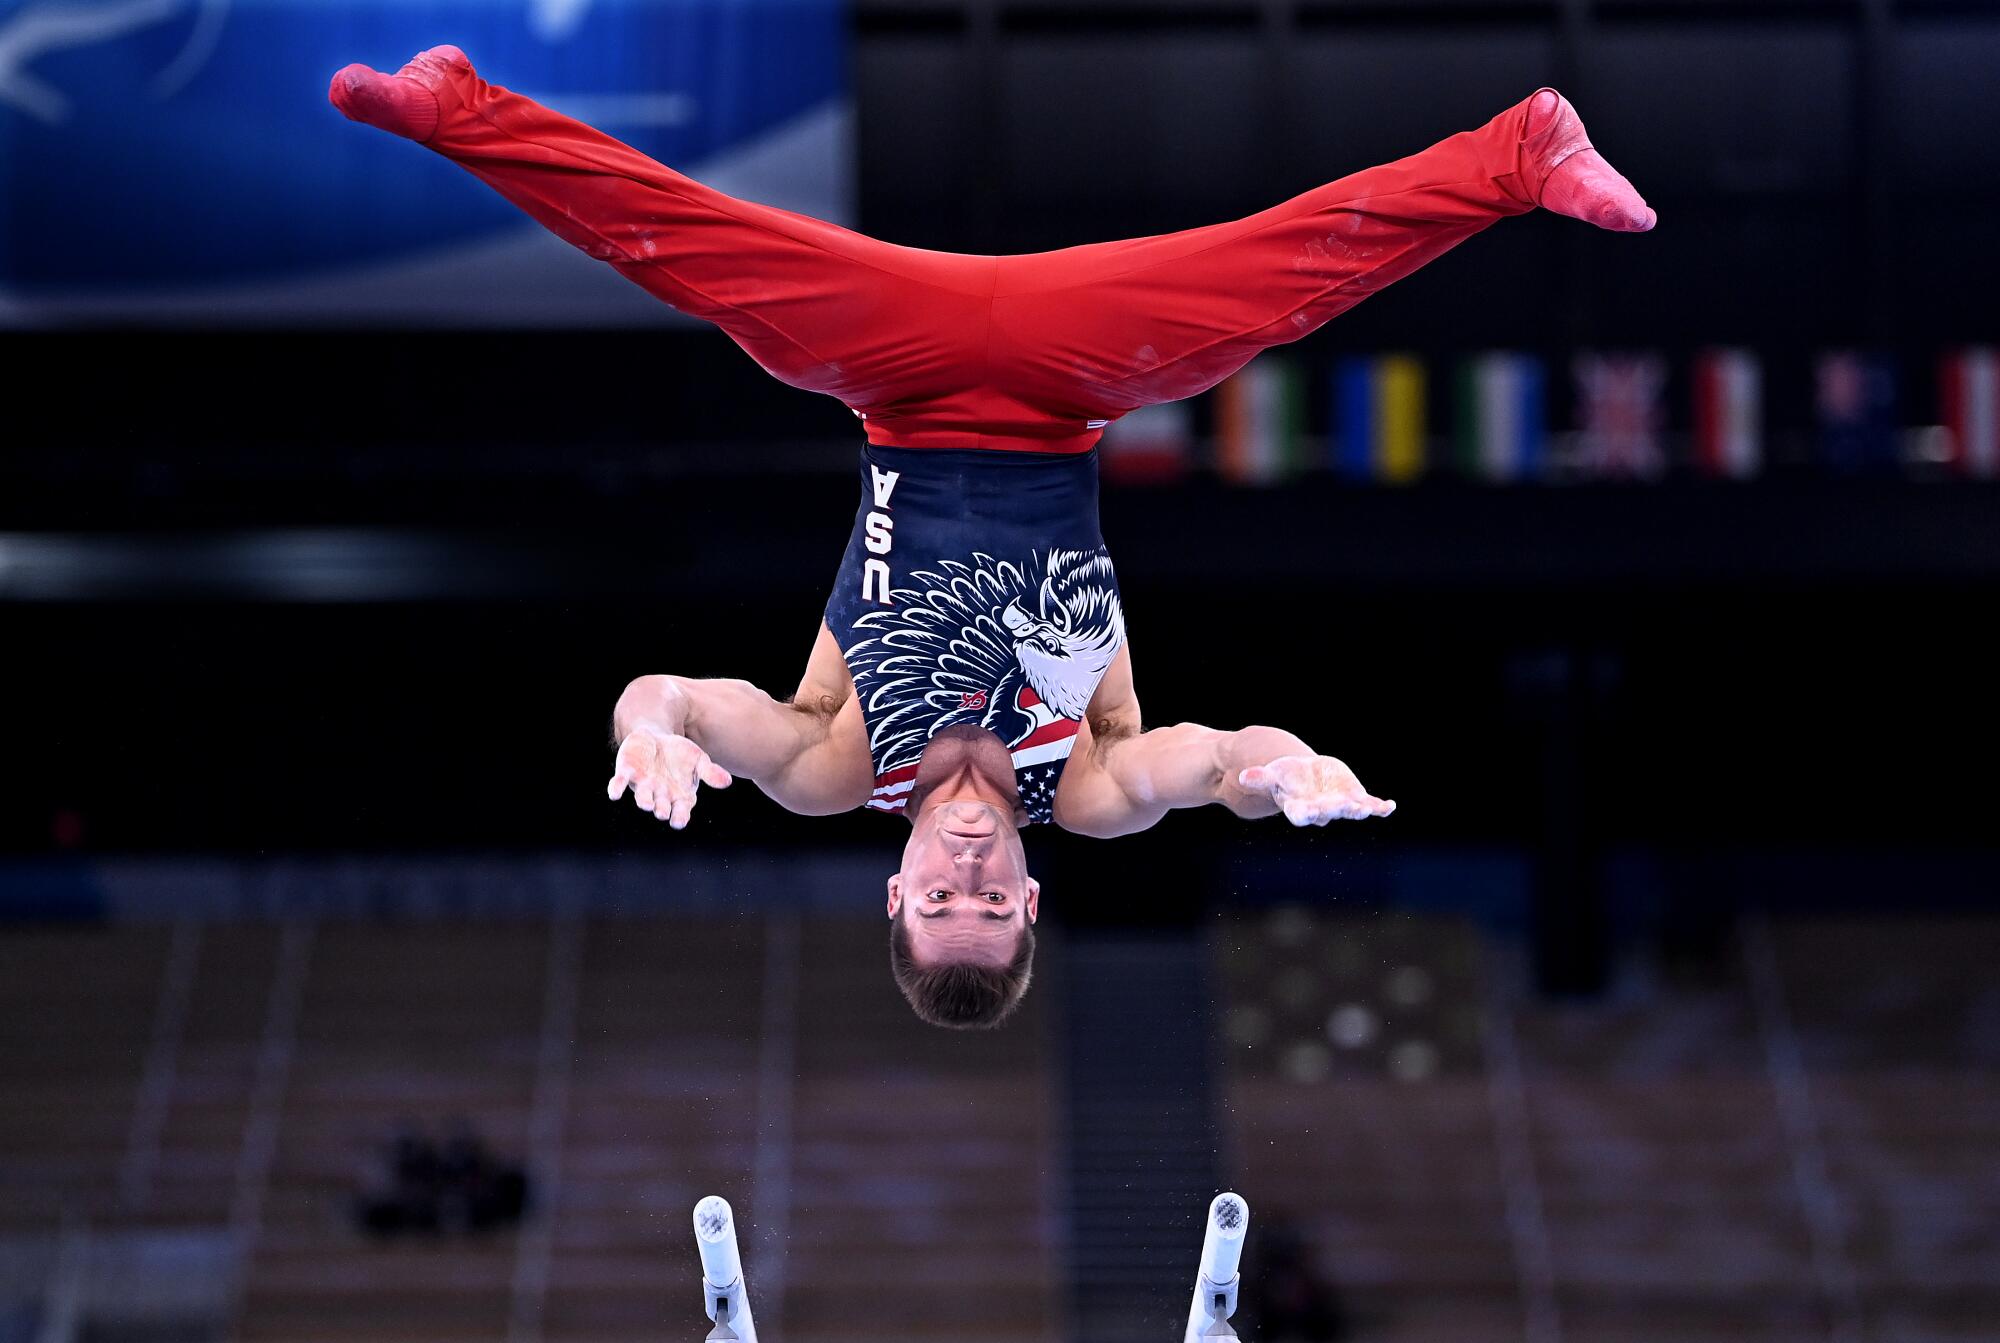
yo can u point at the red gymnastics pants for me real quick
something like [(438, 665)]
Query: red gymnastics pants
[(942, 349)]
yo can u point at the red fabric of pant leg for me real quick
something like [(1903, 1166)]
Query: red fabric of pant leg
[(819, 306), (1090, 333), (939, 349)]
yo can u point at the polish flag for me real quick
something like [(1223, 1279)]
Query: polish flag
[(1969, 399), (1152, 445), (1728, 413)]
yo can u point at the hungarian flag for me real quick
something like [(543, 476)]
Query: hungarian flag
[(1969, 404), (1619, 414), (1501, 406), (1379, 418), (1259, 421), (1728, 413)]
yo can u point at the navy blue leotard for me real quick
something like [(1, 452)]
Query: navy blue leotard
[(975, 590)]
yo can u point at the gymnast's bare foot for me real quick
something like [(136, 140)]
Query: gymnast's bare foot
[(1574, 178), (405, 103)]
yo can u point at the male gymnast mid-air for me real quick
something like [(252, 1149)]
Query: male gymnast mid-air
[(972, 672)]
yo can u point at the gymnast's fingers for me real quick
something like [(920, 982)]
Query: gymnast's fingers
[(681, 789)]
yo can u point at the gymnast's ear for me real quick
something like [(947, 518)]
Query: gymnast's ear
[(896, 893), (1033, 902)]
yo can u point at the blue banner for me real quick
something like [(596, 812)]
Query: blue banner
[(177, 159)]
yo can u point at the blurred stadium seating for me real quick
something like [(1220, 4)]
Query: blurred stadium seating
[(1786, 1147), (1791, 1140), (225, 1083), (1713, 751)]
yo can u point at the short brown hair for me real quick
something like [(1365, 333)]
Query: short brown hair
[(962, 995)]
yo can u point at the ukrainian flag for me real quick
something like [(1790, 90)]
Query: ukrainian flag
[(1379, 418)]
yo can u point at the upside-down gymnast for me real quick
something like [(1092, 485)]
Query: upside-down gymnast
[(972, 672)]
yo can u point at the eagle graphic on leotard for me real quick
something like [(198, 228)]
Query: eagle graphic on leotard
[(1008, 647)]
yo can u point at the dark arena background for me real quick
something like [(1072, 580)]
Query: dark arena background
[(1655, 577)]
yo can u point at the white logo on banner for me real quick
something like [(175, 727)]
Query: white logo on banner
[(37, 29)]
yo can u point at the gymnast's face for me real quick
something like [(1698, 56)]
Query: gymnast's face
[(964, 892)]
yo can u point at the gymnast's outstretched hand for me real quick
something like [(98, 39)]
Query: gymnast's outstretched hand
[(1313, 789), (665, 771), (1130, 780)]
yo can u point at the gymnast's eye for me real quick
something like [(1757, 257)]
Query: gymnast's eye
[(939, 895), (993, 897)]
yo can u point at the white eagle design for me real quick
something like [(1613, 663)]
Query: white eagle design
[(963, 640)]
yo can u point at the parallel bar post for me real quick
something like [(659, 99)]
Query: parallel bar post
[(1216, 1282), (722, 1271)]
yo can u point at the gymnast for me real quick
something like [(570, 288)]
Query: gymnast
[(972, 672)]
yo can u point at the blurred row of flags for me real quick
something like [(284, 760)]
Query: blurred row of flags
[(1381, 413)]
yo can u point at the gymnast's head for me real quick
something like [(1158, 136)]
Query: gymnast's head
[(962, 912)]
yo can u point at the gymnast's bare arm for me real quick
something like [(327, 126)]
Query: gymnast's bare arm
[(808, 754), (1122, 779)]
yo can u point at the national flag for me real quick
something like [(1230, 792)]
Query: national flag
[(1258, 421), (1379, 418), (1728, 413), (1969, 405), (1502, 427), (1856, 401), (1619, 414), (1152, 444), (892, 789), (1038, 760)]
